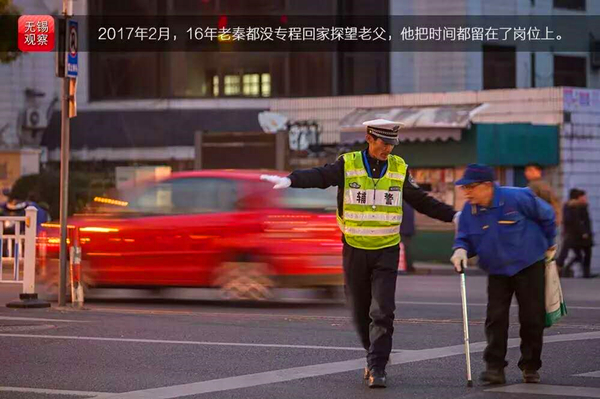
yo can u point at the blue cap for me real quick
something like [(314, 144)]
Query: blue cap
[(476, 173)]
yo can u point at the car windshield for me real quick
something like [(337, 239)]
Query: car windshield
[(310, 199), (176, 196), (201, 195)]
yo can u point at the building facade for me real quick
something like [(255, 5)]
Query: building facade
[(29, 94), (428, 72), (188, 80)]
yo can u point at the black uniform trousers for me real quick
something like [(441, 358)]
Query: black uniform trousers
[(370, 283), (528, 286)]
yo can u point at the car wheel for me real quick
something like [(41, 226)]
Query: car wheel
[(244, 280)]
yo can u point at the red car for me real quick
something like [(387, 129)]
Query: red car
[(215, 228)]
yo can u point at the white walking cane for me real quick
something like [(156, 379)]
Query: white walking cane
[(463, 294)]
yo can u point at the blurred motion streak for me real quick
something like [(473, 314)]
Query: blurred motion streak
[(224, 229), (110, 201)]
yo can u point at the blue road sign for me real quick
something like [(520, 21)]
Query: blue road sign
[(72, 48)]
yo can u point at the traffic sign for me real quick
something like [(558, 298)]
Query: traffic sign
[(72, 49)]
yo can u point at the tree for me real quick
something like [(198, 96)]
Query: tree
[(9, 16), (44, 188)]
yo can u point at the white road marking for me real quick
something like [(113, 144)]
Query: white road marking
[(480, 304), (439, 303), (296, 373), (55, 392), (595, 374), (162, 341), (243, 381), (268, 315), (39, 319), (543, 389)]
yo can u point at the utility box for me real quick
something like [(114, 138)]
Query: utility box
[(127, 176)]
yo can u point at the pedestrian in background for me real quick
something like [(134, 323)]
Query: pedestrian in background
[(16, 206), (407, 231), (577, 234), (541, 188), (371, 185), (512, 231)]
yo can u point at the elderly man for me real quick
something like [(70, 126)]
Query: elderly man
[(511, 230), (371, 185)]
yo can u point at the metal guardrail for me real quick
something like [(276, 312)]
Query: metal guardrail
[(20, 249), (11, 248), (17, 248)]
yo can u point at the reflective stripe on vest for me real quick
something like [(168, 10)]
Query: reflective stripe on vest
[(356, 173), (373, 216), (372, 231), (398, 176)]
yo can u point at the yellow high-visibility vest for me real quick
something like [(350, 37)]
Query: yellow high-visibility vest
[(372, 210)]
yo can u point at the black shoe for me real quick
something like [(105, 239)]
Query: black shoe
[(377, 378), (493, 376), (368, 372), (531, 376)]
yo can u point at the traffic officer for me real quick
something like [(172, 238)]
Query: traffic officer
[(512, 231), (371, 186)]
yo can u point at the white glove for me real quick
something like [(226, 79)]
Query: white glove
[(459, 260), (278, 181)]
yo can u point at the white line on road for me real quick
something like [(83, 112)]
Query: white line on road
[(480, 304), (296, 373), (595, 374), (54, 392), (162, 341), (438, 303), (38, 319), (543, 389), (269, 315)]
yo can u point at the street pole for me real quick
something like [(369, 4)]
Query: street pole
[(64, 177)]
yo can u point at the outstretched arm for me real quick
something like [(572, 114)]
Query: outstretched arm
[(329, 175)]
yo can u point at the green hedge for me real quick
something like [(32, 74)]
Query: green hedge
[(44, 188)]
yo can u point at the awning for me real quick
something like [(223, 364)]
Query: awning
[(421, 123)]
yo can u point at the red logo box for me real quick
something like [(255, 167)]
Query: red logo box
[(36, 33)]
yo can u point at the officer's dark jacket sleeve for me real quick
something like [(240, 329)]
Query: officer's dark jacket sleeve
[(423, 203), (332, 174)]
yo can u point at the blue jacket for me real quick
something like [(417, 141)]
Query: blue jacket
[(510, 235)]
